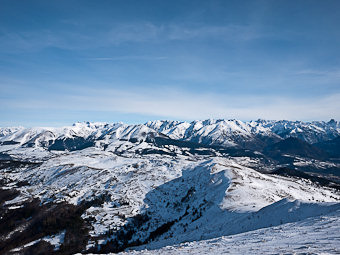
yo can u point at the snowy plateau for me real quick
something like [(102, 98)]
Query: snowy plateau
[(171, 187)]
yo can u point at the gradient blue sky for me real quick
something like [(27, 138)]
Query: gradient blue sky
[(132, 61)]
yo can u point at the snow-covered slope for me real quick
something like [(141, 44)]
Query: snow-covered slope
[(316, 235), (200, 199), (227, 133), (146, 186), (236, 132), (76, 137), (311, 132)]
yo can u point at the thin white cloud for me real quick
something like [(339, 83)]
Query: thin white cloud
[(334, 73), (224, 33), (127, 57), (322, 77), (183, 105), (117, 34)]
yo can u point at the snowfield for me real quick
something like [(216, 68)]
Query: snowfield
[(159, 188), (317, 235)]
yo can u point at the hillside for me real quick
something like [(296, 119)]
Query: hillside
[(103, 188)]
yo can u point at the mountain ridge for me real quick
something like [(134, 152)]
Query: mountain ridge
[(115, 186), (226, 133)]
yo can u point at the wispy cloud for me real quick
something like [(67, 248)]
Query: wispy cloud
[(37, 40), (128, 57), (322, 76), (143, 32), (225, 33), (120, 33), (184, 105), (317, 72)]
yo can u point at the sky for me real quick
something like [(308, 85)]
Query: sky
[(134, 61)]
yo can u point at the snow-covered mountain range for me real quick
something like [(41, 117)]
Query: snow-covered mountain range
[(102, 188), (226, 133)]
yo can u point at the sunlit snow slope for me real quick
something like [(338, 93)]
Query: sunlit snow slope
[(150, 186)]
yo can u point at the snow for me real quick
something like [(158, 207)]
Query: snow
[(204, 196), (25, 246), (55, 240), (136, 183), (316, 235), (259, 190), (229, 133)]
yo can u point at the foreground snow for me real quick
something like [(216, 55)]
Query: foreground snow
[(317, 235), (202, 198), (137, 190)]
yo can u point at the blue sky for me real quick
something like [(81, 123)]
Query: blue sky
[(133, 61)]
